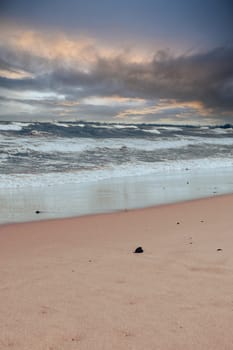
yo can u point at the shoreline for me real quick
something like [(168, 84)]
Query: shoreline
[(70, 200), (117, 211), (76, 283)]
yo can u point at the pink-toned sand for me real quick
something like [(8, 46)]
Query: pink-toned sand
[(75, 283)]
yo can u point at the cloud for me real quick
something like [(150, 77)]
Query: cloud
[(187, 86), (205, 77)]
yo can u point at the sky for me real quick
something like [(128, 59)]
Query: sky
[(123, 61)]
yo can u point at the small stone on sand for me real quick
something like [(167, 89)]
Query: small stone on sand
[(138, 250)]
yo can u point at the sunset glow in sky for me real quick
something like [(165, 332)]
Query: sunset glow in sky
[(157, 61)]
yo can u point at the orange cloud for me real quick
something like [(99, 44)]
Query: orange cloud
[(113, 101), (14, 74), (184, 109), (68, 103), (59, 46)]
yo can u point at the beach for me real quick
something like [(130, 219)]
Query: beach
[(76, 283), (116, 175)]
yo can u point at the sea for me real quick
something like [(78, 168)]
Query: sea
[(61, 169)]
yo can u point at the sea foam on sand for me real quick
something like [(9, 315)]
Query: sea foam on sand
[(76, 283)]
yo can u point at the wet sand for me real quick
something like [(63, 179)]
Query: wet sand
[(109, 195), (76, 283)]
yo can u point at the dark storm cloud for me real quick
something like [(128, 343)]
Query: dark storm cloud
[(204, 77), (23, 84)]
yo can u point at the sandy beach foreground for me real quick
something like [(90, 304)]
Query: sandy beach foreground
[(76, 283)]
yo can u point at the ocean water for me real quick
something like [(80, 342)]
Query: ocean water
[(96, 167)]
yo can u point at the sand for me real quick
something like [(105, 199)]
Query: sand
[(76, 283)]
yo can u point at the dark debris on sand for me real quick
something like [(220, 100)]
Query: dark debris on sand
[(138, 250)]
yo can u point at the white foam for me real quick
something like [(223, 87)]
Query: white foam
[(226, 141), (222, 131), (170, 128), (152, 131), (59, 145), (67, 145), (135, 169), (61, 124), (219, 131), (17, 126), (49, 144), (125, 126), (102, 126), (8, 127)]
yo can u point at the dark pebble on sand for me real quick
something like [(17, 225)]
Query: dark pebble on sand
[(219, 249), (138, 250), (37, 212), (177, 223)]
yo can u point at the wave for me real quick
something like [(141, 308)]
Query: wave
[(61, 124), (54, 145), (16, 126), (75, 177), (170, 128), (222, 131), (152, 131), (97, 130)]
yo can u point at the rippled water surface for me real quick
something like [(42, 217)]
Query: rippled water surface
[(41, 154)]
